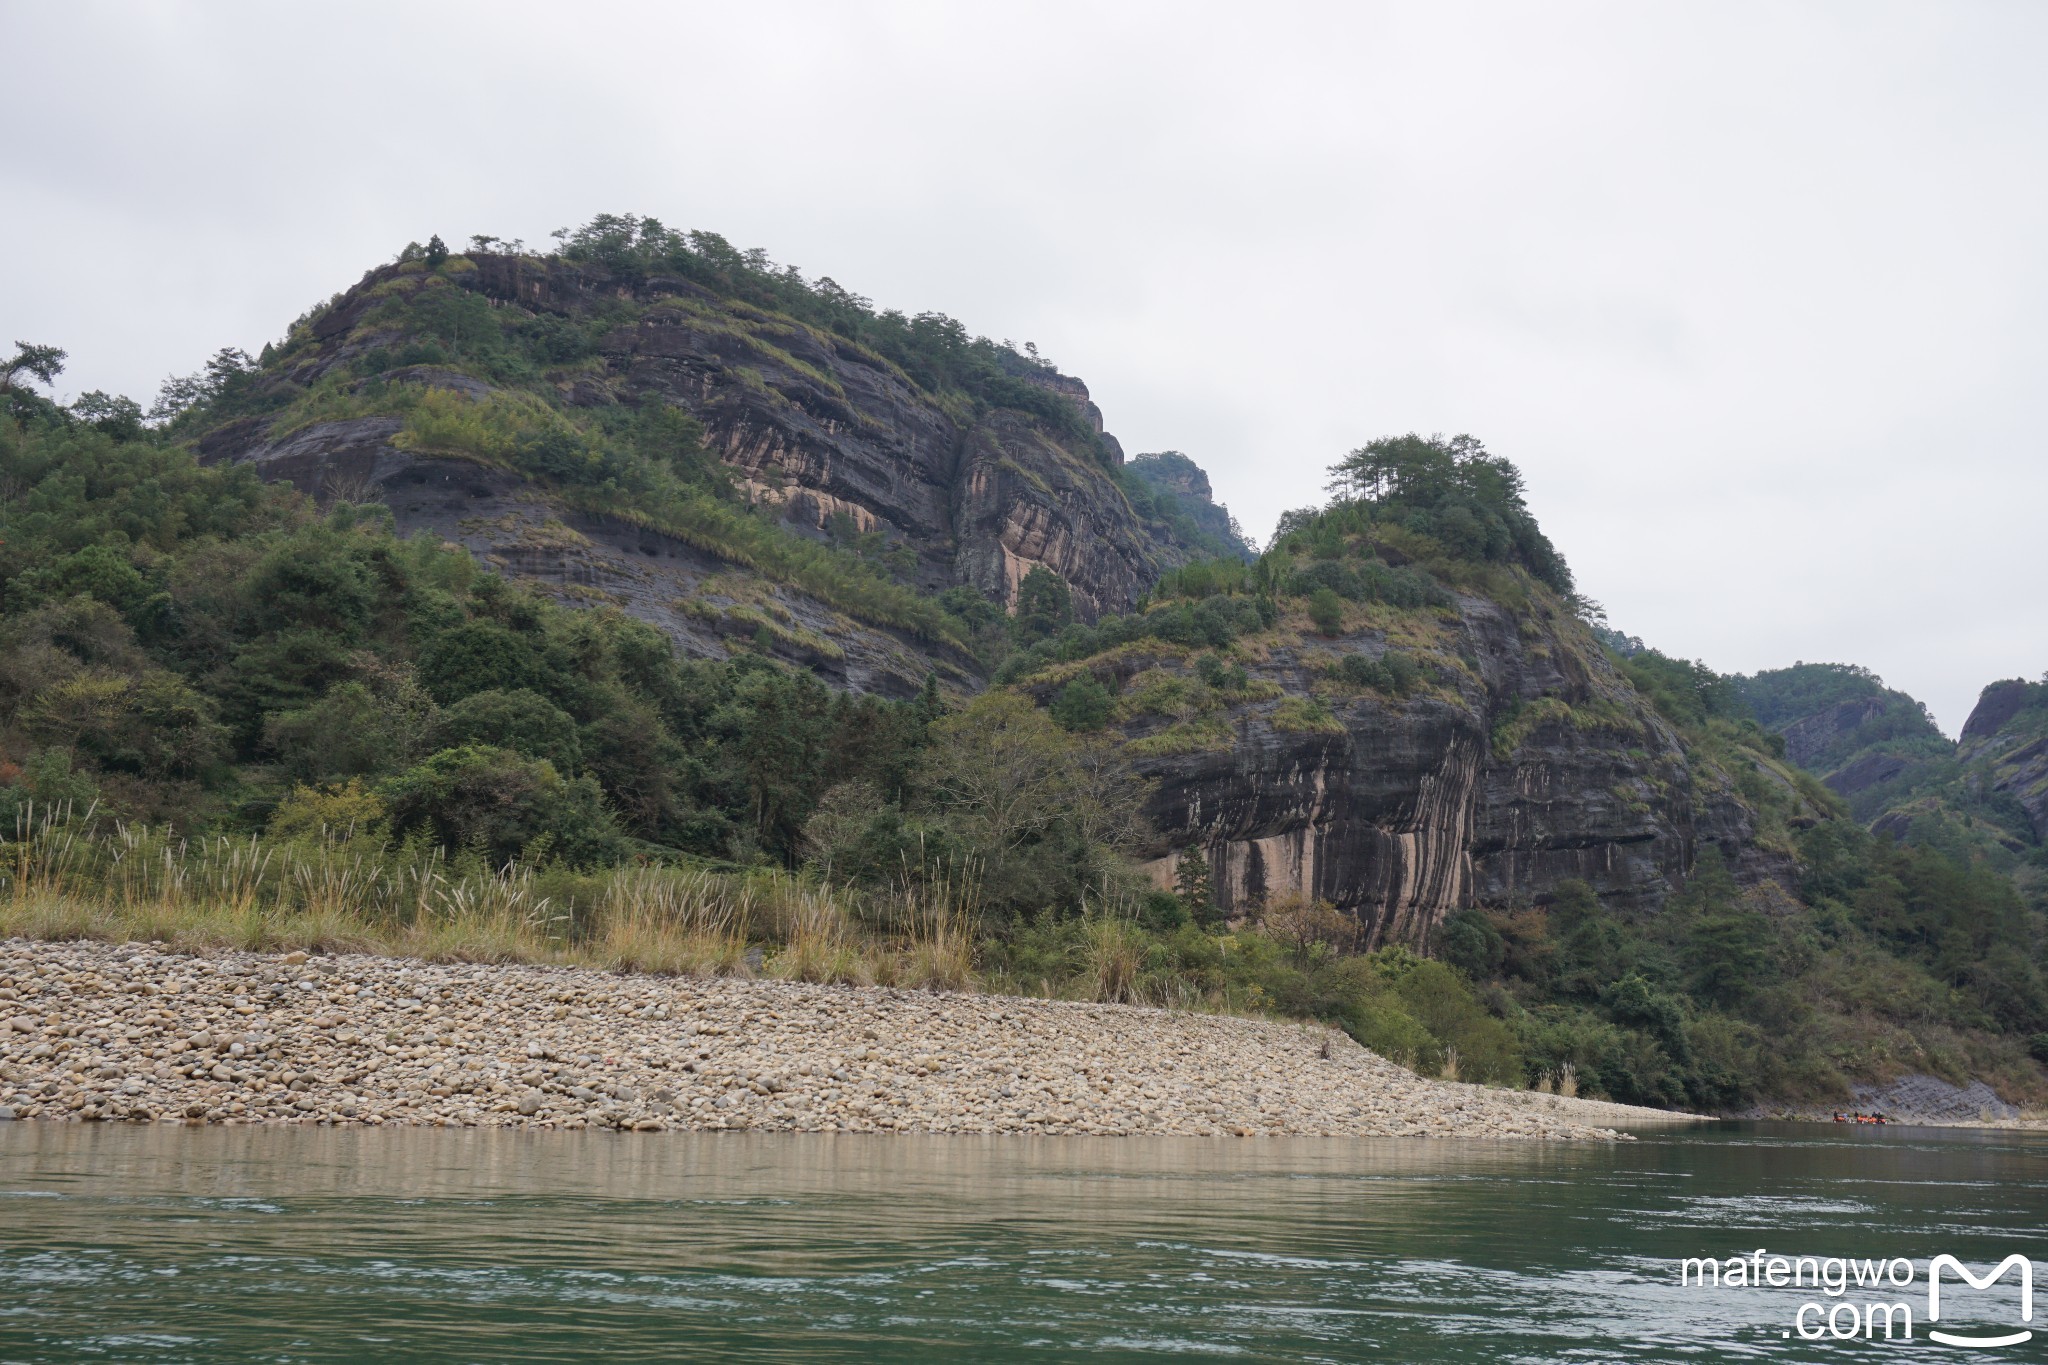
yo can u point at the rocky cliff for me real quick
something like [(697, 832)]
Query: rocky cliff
[(1872, 745), (947, 485), (1880, 751), (2006, 737), (1520, 757)]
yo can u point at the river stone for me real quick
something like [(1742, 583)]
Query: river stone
[(814, 1054)]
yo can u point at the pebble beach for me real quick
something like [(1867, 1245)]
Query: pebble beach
[(138, 1032)]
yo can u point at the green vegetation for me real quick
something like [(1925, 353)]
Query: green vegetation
[(1893, 956), (645, 466), (483, 379), (229, 716), (933, 351), (1922, 952), (1161, 488), (1453, 494), (1868, 721)]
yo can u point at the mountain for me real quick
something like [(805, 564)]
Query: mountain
[(1522, 757), (645, 558), (1880, 751), (2006, 740), (1872, 745), (1450, 734), (573, 420)]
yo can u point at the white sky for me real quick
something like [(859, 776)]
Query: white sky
[(1755, 294)]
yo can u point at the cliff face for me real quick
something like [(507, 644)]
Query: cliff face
[(1529, 761), (2007, 734), (833, 437)]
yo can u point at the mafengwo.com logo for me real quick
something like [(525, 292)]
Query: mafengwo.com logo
[(1875, 1299)]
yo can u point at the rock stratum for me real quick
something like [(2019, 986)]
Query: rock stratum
[(1529, 761)]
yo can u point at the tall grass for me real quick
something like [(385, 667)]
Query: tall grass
[(68, 873), (75, 874)]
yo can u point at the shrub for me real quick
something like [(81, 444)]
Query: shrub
[(1305, 715), (520, 720), (347, 731), (501, 803), (1082, 705), (1393, 672), (1326, 611), (347, 811), (1468, 941), (477, 656)]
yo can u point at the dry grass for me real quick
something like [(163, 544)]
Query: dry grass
[(68, 875), (1114, 955), (74, 876)]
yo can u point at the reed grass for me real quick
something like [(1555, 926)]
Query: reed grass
[(72, 874)]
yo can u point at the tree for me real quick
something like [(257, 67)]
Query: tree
[(479, 656), (41, 363), (117, 415), (437, 252), (1082, 705), (1032, 808), (1453, 490), (1731, 949), (229, 370), (1194, 884), (1590, 952), (519, 719), (1326, 611), (501, 803), (1045, 607), (1469, 941)]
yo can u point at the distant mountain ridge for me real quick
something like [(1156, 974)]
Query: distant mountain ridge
[(1881, 752), (1868, 742)]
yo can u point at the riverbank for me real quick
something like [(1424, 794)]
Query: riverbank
[(1920, 1101), (139, 1032)]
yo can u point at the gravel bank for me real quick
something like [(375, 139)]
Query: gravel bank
[(99, 1031)]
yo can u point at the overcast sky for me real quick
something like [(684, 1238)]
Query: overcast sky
[(1756, 295)]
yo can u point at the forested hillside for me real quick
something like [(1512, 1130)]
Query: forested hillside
[(643, 603)]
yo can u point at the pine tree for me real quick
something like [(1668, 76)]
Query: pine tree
[(1045, 606), (437, 252), (1195, 887)]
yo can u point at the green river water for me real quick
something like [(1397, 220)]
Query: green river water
[(170, 1243)]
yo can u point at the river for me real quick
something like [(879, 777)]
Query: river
[(173, 1243)]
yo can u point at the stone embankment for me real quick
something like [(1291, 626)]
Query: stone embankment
[(138, 1032)]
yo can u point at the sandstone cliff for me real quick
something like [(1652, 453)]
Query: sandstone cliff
[(833, 438), (2007, 735), (1520, 758)]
